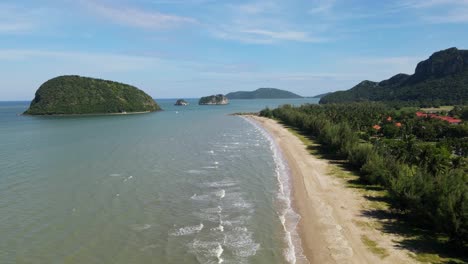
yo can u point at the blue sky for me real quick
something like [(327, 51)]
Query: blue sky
[(190, 48)]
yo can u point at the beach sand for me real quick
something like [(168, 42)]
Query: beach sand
[(329, 210)]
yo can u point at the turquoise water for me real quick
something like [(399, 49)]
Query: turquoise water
[(186, 185)]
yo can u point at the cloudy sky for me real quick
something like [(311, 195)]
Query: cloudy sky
[(190, 48)]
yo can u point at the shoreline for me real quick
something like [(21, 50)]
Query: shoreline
[(329, 211), (96, 114)]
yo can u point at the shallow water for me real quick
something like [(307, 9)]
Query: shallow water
[(186, 185)]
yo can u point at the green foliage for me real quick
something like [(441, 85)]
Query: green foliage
[(440, 80), (421, 163), (82, 95), (263, 93)]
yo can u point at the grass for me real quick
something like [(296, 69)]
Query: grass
[(425, 246), (446, 108), (374, 247)]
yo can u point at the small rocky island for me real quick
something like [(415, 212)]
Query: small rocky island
[(214, 100), (181, 102), (76, 95)]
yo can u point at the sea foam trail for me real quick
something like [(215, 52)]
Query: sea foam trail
[(289, 218), (188, 230)]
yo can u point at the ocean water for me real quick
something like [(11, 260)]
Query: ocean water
[(186, 185)]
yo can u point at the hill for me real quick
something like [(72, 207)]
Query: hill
[(321, 95), (218, 99), (440, 80), (82, 95), (263, 93)]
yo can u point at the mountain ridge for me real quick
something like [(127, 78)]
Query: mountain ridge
[(441, 79)]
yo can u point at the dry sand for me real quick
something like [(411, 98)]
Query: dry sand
[(329, 210)]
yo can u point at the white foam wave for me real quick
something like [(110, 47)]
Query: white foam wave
[(140, 227), (115, 175), (202, 197), (221, 193), (214, 210), (195, 171), (207, 251), (210, 167), (218, 228), (221, 184), (288, 217), (187, 230), (129, 178)]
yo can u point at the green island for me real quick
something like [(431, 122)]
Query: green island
[(440, 80), (263, 93), (218, 99), (76, 95), (411, 163)]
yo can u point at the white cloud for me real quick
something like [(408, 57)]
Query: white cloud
[(322, 6), (438, 11), (134, 17), (256, 7), (263, 22), (299, 36), (17, 20), (82, 60)]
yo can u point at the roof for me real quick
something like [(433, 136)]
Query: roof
[(449, 119)]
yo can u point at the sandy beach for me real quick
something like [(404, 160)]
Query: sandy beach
[(329, 210)]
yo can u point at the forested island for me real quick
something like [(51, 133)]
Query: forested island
[(440, 80), (218, 99), (76, 95), (263, 93), (419, 158)]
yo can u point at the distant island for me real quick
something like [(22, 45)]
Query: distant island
[(214, 100), (75, 95), (181, 102), (440, 80), (263, 93)]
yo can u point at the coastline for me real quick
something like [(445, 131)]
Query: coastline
[(96, 114), (329, 211)]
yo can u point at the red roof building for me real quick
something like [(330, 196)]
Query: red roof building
[(448, 119)]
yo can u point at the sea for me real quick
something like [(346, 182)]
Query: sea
[(189, 184)]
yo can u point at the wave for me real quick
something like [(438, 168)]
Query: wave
[(187, 230), (195, 171), (207, 251), (288, 217), (140, 227), (221, 193)]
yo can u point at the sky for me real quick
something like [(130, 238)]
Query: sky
[(192, 48)]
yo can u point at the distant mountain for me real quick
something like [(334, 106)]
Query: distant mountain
[(441, 79), (321, 95), (263, 93), (67, 95)]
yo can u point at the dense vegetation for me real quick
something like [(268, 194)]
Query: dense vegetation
[(440, 80), (263, 93), (218, 99), (422, 162), (82, 95)]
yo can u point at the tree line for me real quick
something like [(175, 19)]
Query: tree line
[(422, 162)]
